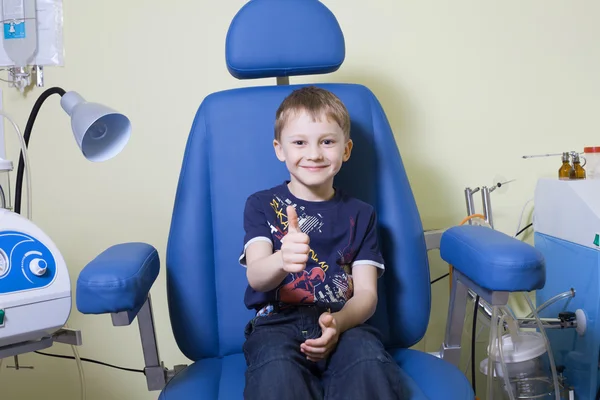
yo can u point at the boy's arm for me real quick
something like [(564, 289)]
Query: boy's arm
[(264, 268), (366, 269), (357, 310), (362, 304)]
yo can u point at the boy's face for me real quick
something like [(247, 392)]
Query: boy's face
[(312, 151)]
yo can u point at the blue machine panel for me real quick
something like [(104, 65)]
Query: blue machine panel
[(569, 265), (25, 263)]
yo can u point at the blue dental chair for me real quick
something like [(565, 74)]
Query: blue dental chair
[(228, 156)]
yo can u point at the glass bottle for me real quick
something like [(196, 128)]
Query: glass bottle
[(578, 172), (564, 173)]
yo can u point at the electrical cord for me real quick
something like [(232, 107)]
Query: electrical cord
[(27, 135), (439, 279), (473, 336), (523, 213), (524, 229), (91, 361)]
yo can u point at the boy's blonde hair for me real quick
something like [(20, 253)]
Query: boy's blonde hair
[(316, 102)]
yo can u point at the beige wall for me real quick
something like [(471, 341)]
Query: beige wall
[(469, 87)]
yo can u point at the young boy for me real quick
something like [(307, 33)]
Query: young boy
[(313, 261)]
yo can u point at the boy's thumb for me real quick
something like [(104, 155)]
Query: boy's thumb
[(292, 220), (326, 320)]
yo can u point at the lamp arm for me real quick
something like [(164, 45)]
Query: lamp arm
[(27, 135)]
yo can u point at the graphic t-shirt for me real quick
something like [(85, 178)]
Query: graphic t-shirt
[(342, 232)]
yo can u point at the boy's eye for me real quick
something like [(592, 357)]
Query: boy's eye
[(328, 141), (298, 142)]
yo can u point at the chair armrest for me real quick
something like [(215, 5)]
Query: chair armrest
[(492, 259), (117, 280)]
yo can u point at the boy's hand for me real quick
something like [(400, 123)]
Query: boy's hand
[(319, 349), (294, 246)]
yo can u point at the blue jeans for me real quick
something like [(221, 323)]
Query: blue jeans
[(359, 368)]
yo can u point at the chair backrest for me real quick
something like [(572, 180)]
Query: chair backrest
[(229, 155)]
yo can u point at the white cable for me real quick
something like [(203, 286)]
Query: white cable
[(521, 216), (81, 374), (25, 159), (80, 369)]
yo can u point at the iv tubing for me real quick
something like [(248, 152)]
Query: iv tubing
[(25, 159), (491, 363), (2, 197), (511, 323), (548, 303), (501, 354), (548, 349), (80, 369)]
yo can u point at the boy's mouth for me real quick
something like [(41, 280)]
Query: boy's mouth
[(313, 168)]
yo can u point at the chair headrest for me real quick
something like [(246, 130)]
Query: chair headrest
[(278, 38)]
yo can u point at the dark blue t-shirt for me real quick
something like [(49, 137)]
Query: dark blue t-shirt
[(342, 232)]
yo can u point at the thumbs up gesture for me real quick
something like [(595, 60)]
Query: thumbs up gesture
[(294, 247)]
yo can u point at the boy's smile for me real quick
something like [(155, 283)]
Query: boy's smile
[(313, 152)]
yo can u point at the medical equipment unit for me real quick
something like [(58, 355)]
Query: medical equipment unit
[(228, 156), (567, 233), (35, 287), (560, 360)]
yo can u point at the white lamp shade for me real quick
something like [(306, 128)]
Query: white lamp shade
[(101, 132)]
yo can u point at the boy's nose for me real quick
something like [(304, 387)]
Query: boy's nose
[(314, 153)]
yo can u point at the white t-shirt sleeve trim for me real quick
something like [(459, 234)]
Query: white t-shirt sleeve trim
[(379, 266), (242, 259)]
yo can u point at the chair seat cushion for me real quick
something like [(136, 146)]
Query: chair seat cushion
[(429, 377), (492, 259), (210, 378), (223, 378)]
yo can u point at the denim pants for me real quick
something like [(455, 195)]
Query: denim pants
[(359, 368)]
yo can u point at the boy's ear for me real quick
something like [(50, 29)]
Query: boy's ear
[(278, 150), (348, 150)]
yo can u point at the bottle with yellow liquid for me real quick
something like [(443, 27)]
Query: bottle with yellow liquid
[(564, 173), (577, 172)]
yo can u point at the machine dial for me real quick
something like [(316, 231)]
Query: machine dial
[(38, 267), (3, 264)]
